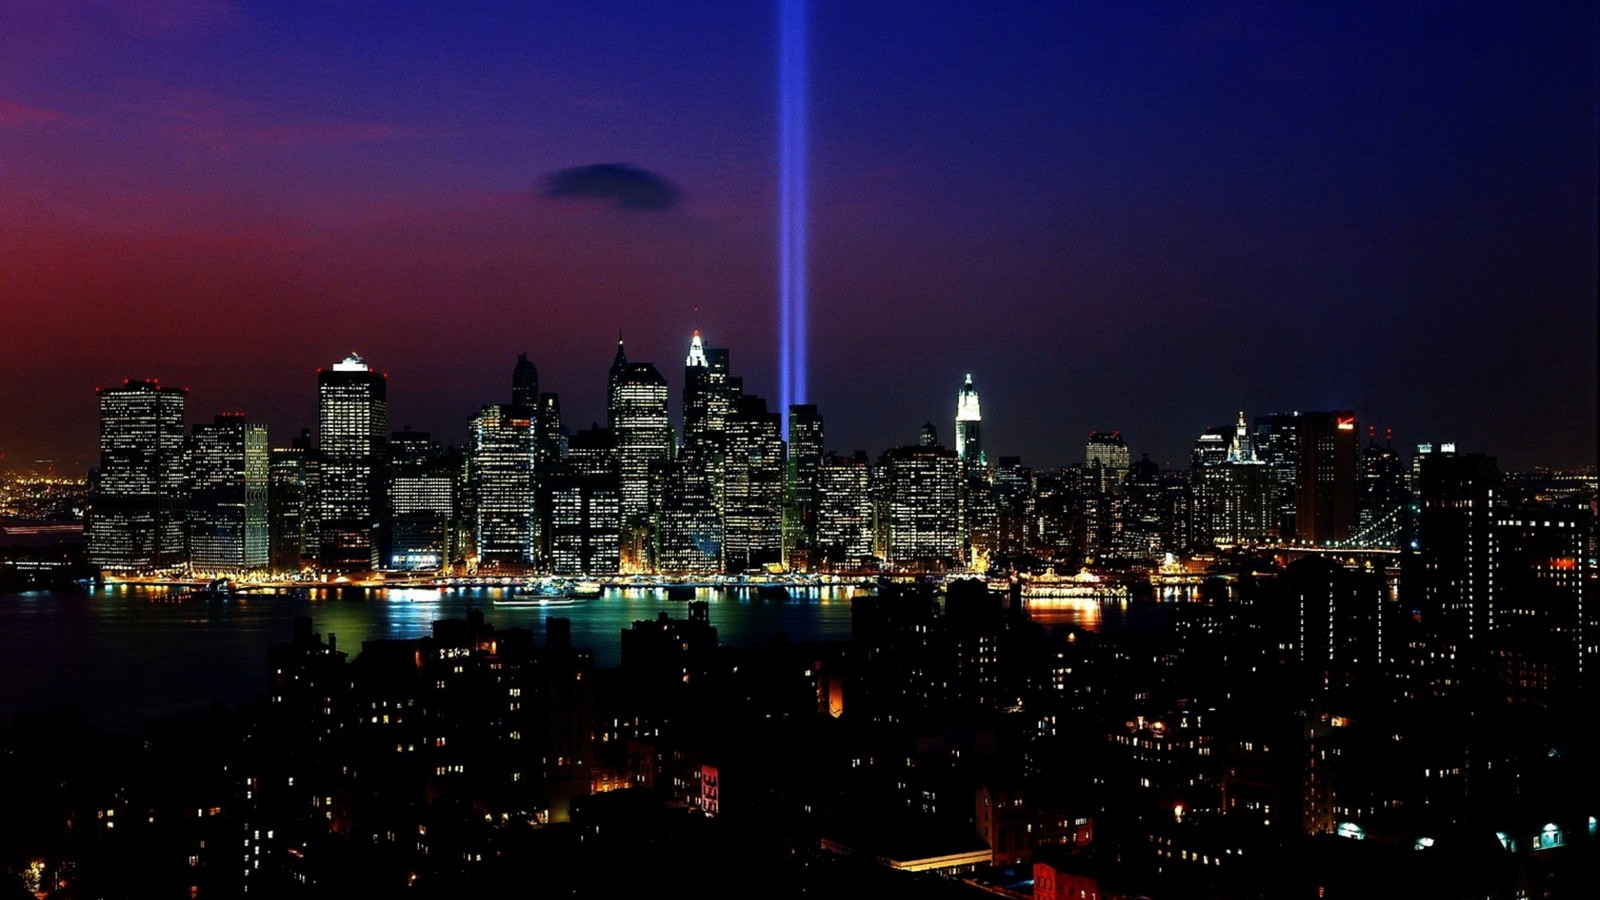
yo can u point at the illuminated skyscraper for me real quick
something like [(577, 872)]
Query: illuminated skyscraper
[(585, 507), (352, 439), (136, 515), (969, 428), (800, 484), (422, 501), (844, 510), (1105, 468), (752, 510), (690, 535), (921, 497), (291, 520), (637, 413), (500, 459), (228, 476), (1233, 497)]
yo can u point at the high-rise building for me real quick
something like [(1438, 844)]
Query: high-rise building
[(525, 383), (1325, 478), (500, 459), (1105, 468), (585, 507), (844, 510), (228, 486), (136, 514), (921, 497), (1233, 499), (752, 500), (1276, 440), (708, 393), (691, 529), (800, 484), (1449, 575), (969, 426), (352, 437), (636, 411), (291, 518), (422, 502)]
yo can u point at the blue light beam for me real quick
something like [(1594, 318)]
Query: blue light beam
[(791, 206)]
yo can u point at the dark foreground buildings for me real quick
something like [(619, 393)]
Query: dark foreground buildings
[(1281, 730)]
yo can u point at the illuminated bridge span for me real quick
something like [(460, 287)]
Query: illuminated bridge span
[(1380, 534)]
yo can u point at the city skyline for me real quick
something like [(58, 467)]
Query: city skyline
[(1134, 220)]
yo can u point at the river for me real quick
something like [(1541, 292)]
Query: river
[(126, 657)]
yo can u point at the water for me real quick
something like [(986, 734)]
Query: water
[(126, 657)]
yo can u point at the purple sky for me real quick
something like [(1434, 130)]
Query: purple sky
[(1138, 220)]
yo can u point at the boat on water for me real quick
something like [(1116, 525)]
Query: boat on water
[(585, 590)]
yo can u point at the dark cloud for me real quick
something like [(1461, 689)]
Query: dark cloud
[(620, 183)]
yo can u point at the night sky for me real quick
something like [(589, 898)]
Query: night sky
[(1137, 219)]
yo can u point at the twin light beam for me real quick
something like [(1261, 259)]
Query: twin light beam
[(791, 206)]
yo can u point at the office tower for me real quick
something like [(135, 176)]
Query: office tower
[(844, 510), (1544, 610), (291, 533), (636, 411), (422, 502), (500, 459), (1325, 478), (549, 446), (352, 433), (800, 484), (1234, 501), (708, 393), (1177, 510), (525, 383), (1013, 491), (1380, 496), (752, 499), (929, 436), (690, 532), (1449, 574), (691, 538), (1276, 439), (136, 514), (585, 507), (1105, 463), (1140, 534), (1105, 466), (921, 497), (969, 426), (228, 511)]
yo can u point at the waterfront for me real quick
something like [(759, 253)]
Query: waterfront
[(126, 655)]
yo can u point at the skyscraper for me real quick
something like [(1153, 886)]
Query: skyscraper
[(844, 510), (1233, 497), (422, 502), (352, 436), (752, 510), (228, 477), (585, 507), (500, 459), (136, 515), (921, 496), (637, 414), (525, 383), (969, 427), (800, 484), (1325, 477)]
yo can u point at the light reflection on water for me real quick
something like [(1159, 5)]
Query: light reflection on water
[(127, 654)]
